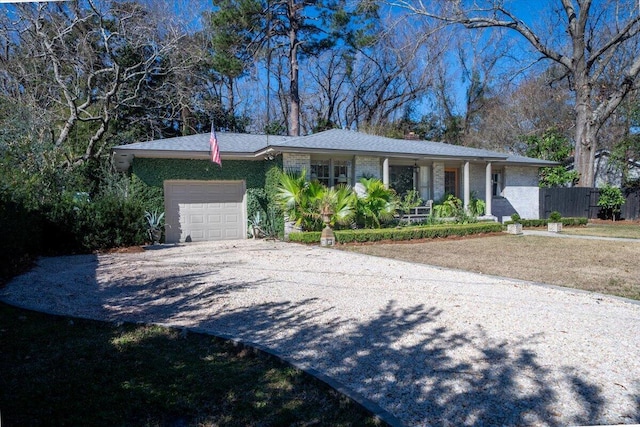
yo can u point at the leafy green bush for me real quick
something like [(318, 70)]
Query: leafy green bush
[(404, 233), (610, 200), (555, 216), (451, 206), (476, 206), (108, 221)]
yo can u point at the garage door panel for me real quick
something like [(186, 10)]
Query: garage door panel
[(205, 210)]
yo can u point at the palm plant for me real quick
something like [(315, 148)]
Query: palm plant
[(377, 205), (293, 197), (304, 201), (340, 201)]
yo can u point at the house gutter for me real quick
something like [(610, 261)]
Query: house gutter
[(123, 157)]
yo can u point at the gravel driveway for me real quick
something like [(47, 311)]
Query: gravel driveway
[(430, 346)]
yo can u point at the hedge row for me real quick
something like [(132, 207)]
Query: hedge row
[(404, 233), (543, 222)]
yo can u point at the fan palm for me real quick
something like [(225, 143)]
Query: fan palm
[(376, 205)]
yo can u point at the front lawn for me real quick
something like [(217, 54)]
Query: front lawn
[(620, 229), (64, 371), (592, 265)]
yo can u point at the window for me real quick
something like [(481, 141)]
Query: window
[(401, 179), (496, 183), (331, 172), (340, 172), (451, 181), (320, 171)]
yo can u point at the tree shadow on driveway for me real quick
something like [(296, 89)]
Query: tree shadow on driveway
[(436, 378)]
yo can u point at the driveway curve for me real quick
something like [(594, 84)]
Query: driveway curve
[(430, 346)]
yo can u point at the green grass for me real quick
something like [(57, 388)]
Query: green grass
[(64, 371), (630, 231)]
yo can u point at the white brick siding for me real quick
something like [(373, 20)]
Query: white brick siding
[(296, 162), (477, 178), (438, 181), (521, 189), (368, 166)]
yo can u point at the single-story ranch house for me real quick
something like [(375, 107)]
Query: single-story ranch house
[(205, 201)]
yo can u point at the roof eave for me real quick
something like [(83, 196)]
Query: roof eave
[(281, 149)]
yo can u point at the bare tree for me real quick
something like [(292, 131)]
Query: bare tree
[(326, 94), (82, 63), (388, 76), (588, 38), (528, 108)]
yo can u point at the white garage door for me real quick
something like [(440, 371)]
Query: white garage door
[(204, 210)]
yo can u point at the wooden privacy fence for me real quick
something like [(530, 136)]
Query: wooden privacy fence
[(583, 202)]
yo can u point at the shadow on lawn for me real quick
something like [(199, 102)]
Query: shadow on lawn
[(59, 371), (423, 382)]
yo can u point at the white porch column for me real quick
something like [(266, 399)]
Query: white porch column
[(488, 190), (467, 191), (385, 172)]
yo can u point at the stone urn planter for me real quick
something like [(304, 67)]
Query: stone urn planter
[(327, 238), (515, 228), (554, 225)]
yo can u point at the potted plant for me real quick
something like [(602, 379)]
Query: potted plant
[(554, 224), (515, 227), (154, 225)]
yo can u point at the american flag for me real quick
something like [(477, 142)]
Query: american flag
[(213, 145)]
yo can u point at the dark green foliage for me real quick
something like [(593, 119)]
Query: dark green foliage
[(404, 233), (21, 241), (85, 226), (554, 146), (610, 200), (555, 216), (256, 201), (154, 172), (272, 180)]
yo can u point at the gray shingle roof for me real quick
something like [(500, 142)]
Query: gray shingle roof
[(335, 140), (345, 140), (227, 141)]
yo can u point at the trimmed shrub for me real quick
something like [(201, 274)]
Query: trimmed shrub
[(398, 234), (555, 216), (544, 222)]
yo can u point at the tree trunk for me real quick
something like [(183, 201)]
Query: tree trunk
[(294, 101), (585, 135)]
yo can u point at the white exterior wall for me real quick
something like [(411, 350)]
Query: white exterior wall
[(477, 179), (296, 162), (367, 166), (438, 180), (522, 191)]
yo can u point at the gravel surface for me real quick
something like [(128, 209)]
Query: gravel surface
[(430, 346)]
